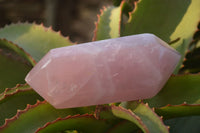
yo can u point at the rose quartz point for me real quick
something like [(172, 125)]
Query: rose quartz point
[(114, 70)]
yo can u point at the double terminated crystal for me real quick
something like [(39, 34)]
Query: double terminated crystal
[(113, 70)]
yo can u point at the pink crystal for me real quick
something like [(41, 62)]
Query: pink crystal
[(114, 70)]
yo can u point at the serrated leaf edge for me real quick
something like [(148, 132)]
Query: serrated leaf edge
[(160, 117), (68, 117), (185, 74), (128, 111), (6, 93), (46, 29), (31, 60), (100, 108), (179, 105), (135, 8), (183, 104), (19, 112), (194, 40), (98, 21)]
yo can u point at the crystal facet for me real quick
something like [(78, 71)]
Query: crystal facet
[(121, 69)]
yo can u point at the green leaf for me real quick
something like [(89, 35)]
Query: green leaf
[(124, 126), (143, 117), (7, 45), (109, 23), (184, 124), (14, 64), (34, 39), (104, 112), (173, 111), (168, 19), (82, 123), (35, 116), (127, 8), (198, 44), (192, 61), (14, 99), (116, 2), (178, 89), (71, 131)]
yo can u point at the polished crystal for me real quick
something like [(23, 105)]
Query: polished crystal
[(114, 70)]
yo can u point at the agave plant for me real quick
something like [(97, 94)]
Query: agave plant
[(176, 108)]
